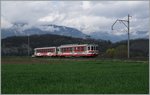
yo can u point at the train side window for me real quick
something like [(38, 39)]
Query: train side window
[(71, 49), (82, 48), (53, 50), (78, 48), (64, 49)]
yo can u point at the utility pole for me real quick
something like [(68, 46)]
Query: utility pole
[(128, 28), (28, 46), (128, 36)]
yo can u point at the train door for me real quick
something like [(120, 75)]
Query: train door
[(59, 51)]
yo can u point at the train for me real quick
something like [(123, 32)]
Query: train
[(70, 50)]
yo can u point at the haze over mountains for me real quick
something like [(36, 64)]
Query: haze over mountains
[(23, 29)]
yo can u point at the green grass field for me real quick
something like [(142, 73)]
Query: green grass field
[(22, 75)]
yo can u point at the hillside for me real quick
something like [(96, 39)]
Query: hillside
[(18, 45), (46, 40)]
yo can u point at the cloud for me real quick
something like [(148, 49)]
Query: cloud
[(5, 23), (86, 5), (24, 11), (87, 16)]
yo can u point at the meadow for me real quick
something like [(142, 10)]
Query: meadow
[(23, 75)]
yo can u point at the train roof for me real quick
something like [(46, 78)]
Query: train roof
[(76, 45), (67, 45), (44, 47)]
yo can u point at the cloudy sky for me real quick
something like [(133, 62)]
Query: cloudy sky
[(87, 16)]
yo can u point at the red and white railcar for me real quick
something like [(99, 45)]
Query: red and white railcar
[(78, 50), (75, 50), (45, 51)]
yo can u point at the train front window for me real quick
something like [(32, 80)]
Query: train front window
[(88, 48), (92, 48)]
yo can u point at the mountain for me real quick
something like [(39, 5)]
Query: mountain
[(23, 29), (105, 35)]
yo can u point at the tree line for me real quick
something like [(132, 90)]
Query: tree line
[(18, 45)]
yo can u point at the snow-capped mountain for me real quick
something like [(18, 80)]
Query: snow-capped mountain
[(22, 29)]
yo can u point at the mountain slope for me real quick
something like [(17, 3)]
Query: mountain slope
[(115, 38), (24, 29)]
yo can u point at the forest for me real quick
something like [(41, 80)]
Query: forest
[(18, 45)]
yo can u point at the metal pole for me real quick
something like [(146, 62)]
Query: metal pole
[(28, 46), (128, 36), (128, 28)]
